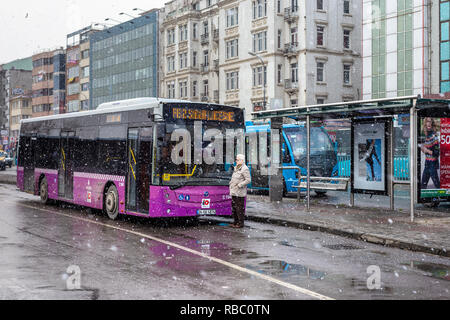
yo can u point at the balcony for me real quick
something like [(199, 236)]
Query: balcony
[(204, 39), (216, 65), (291, 14), (205, 97), (216, 35), (291, 86), (204, 68), (290, 49)]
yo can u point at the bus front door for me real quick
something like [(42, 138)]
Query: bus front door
[(139, 168), (65, 170)]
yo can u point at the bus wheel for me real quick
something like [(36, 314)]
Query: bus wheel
[(112, 203), (43, 191)]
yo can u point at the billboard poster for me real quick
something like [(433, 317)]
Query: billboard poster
[(369, 145), (434, 147)]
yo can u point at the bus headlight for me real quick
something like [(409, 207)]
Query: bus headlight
[(168, 211)]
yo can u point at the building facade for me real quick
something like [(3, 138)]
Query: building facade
[(15, 84), (405, 48), (77, 69), (124, 60), (260, 54)]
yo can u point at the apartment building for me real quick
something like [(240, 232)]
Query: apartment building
[(406, 48), (260, 54), (77, 69), (15, 90), (49, 83)]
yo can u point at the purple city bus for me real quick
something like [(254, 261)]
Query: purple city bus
[(117, 158)]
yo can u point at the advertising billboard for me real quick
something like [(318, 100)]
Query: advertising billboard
[(434, 165), (369, 157)]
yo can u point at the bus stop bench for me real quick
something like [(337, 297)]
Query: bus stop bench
[(320, 185)]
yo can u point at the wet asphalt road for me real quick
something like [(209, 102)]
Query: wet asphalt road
[(142, 259)]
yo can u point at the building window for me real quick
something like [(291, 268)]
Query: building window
[(260, 41), (194, 88), (294, 72), (73, 106), (279, 39), (206, 58), (347, 73), (346, 6), (85, 87), (73, 72), (320, 5), (320, 36), (232, 48), (194, 31), (85, 105), (232, 80), (320, 67), (183, 32), (278, 6), (171, 90), (279, 73), (405, 54), (205, 88), (73, 88), (259, 9), (183, 89), (320, 100), (294, 103), (171, 64), (259, 75), (85, 54), (294, 36), (232, 17), (194, 59), (85, 72), (170, 36), (444, 17), (183, 60), (347, 39), (205, 29)]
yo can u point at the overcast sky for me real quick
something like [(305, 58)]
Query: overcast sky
[(30, 26)]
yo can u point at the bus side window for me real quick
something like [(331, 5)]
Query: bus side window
[(285, 150)]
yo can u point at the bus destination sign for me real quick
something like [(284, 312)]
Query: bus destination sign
[(197, 114)]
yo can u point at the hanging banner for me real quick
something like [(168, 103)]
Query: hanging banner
[(434, 148), (369, 157)]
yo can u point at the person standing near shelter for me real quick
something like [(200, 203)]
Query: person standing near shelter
[(238, 190)]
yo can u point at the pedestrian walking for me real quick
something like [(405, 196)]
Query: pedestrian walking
[(238, 190)]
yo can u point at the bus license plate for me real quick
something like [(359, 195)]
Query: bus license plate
[(206, 212)]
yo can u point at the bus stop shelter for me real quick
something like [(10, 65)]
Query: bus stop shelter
[(367, 113)]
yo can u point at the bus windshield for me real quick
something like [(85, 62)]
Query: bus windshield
[(320, 142), (171, 174)]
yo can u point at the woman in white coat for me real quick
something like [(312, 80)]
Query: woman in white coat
[(238, 190)]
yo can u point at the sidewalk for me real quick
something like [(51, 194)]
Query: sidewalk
[(9, 176), (429, 233)]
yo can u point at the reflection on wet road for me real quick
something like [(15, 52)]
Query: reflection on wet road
[(141, 259)]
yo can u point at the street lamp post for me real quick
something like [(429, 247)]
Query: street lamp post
[(264, 80)]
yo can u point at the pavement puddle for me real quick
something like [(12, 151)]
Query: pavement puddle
[(435, 270)]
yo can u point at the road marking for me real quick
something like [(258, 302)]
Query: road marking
[(172, 244)]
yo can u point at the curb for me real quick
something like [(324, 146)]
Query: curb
[(8, 179), (366, 237)]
